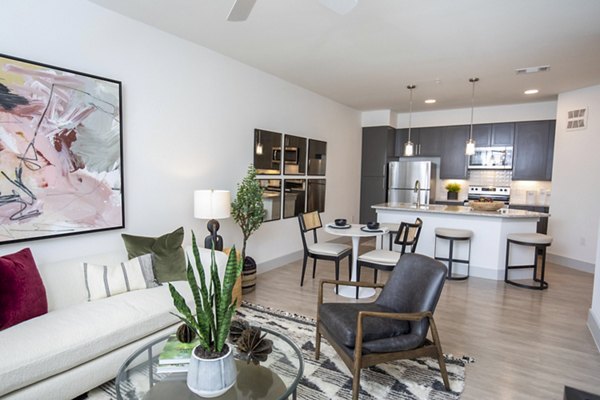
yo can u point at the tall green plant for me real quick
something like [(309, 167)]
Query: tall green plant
[(248, 209), (214, 306)]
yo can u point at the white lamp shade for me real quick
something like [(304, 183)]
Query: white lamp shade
[(212, 204)]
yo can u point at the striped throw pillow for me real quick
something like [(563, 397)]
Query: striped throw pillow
[(108, 280)]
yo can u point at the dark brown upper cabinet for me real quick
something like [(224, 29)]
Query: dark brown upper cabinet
[(490, 135), (533, 151)]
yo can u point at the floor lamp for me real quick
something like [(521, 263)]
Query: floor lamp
[(212, 205)]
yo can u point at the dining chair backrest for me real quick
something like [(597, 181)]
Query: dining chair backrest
[(309, 222), (408, 235)]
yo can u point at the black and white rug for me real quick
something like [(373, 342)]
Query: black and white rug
[(329, 378)]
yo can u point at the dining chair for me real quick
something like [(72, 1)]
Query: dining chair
[(310, 222), (385, 260), (392, 327)]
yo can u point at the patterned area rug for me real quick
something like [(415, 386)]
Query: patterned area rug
[(329, 378)]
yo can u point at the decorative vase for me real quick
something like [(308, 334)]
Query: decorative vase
[(249, 275), (211, 377), (452, 196)]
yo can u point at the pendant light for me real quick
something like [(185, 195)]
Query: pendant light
[(409, 146), (259, 146), (470, 149)]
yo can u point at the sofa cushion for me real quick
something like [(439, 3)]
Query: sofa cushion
[(168, 257), (102, 280), (67, 337), (22, 292)]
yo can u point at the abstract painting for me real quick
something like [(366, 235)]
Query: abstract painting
[(60, 152)]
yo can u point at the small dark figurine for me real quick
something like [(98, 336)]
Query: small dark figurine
[(253, 346), (235, 330), (185, 334)]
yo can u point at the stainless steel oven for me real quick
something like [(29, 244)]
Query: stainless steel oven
[(496, 193)]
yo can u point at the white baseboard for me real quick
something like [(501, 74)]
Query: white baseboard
[(571, 263), (594, 324)]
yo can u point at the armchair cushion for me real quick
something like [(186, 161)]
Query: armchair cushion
[(405, 342), (340, 319)]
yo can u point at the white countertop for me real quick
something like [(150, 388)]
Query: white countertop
[(459, 210)]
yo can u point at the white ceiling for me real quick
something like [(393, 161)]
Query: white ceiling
[(366, 58)]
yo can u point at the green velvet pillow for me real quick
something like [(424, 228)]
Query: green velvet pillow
[(168, 257)]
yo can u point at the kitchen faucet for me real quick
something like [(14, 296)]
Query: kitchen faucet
[(418, 192)]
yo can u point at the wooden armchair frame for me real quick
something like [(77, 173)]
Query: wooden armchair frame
[(355, 364)]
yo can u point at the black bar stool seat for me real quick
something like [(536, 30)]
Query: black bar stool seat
[(453, 235), (538, 240)]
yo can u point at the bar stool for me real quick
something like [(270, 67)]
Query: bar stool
[(538, 240), (453, 235)]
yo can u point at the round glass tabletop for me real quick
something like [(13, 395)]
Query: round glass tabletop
[(275, 378)]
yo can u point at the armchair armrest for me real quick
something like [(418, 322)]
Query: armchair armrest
[(400, 316)]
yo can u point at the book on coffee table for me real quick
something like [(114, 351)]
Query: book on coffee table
[(176, 352), (172, 368)]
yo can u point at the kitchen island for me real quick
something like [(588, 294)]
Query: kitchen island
[(488, 244)]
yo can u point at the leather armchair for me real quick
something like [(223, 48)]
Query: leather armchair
[(392, 327)]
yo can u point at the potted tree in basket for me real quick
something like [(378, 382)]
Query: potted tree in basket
[(212, 368), (453, 188), (248, 211)]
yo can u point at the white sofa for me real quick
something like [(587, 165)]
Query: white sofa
[(79, 345)]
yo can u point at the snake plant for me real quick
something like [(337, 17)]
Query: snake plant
[(214, 306)]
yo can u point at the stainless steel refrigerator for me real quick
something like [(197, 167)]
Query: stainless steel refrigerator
[(402, 181)]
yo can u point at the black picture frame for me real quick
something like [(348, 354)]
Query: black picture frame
[(62, 173)]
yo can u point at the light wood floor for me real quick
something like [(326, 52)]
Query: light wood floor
[(527, 344)]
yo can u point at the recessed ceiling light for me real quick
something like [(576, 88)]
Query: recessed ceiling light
[(531, 91), (429, 101)]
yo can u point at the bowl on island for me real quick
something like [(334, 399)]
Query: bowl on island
[(486, 205), (341, 222)]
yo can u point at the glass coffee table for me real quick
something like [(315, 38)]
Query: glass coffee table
[(276, 378)]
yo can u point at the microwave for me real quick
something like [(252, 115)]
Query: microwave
[(491, 158)]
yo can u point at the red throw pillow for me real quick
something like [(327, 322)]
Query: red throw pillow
[(22, 292)]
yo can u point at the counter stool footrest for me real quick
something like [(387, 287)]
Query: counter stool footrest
[(454, 260), (543, 284)]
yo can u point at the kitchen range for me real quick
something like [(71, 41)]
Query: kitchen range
[(477, 193)]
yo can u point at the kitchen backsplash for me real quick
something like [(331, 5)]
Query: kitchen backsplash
[(490, 178), (521, 192)]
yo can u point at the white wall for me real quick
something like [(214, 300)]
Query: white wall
[(461, 116), (576, 180), (189, 116)]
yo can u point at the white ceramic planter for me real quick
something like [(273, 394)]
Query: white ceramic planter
[(211, 378)]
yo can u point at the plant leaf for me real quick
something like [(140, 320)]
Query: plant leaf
[(187, 317)]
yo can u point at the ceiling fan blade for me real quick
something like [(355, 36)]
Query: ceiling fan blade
[(240, 10), (341, 7)]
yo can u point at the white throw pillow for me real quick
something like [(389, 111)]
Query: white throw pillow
[(108, 280)]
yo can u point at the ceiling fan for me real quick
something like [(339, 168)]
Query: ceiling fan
[(241, 8)]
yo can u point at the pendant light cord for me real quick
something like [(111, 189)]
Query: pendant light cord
[(473, 81), (411, 88)]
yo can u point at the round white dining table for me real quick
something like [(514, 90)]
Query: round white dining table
[(355, 232)]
